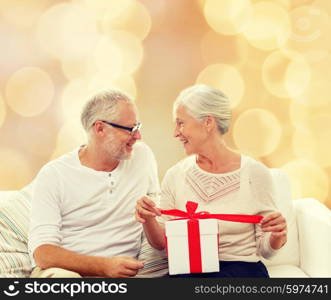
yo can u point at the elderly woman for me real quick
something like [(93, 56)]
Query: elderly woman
[(221, 181)]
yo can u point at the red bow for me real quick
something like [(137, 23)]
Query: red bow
[(191, 214)]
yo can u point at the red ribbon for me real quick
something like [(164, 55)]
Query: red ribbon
[(194, 230), (191, 214)]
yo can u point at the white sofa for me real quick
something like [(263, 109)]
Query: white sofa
[(306, 254)]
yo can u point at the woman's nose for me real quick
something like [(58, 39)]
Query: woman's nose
[(176, 132)]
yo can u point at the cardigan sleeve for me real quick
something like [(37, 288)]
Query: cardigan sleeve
[(263, 191)]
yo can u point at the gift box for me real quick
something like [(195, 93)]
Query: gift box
[(192, 246), (192, 239)]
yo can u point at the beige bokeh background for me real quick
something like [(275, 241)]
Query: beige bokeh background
[(272, 58)]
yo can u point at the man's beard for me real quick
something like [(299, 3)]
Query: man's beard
[(114, 152)]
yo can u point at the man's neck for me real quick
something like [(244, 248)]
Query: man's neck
[(95, 160)]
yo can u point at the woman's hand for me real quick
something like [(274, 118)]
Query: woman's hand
[(276, 224), (146, 210)]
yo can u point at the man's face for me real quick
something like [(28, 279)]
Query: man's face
[(119, 142)]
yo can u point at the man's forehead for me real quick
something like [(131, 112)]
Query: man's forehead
[(128, 111)]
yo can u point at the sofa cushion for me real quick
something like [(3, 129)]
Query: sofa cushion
[(155, 261), (14, 224), (286, 271), (314, 222)]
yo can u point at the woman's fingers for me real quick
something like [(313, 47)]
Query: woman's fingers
[(149, 205), (145, 209), (275, 228), (273, 222)]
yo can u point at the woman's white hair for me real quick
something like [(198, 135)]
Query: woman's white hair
[(201, 101), (102, 106)]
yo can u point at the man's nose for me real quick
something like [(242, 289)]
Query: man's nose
[(137, 135)]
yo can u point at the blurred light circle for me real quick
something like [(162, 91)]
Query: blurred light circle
[(268, 27), (157, 11), (67, 31), (323, 5), (118, 53), (303, 144), (134, 19), (227, 16), (18, 50), (3, 111), (226, 78), (107, 56), (317, 92), (131, 49), (226, 49), (38, 136), (29, 91), (73, 98), (257, 132), (284, 152), (310, 34), (285, 76), (70, 136), (308, 180), (299, 114), (284, 3), (76, 93), (22, 14), (111, 8), (74, 68), (15, 171), (297, 77), (124, 83), (200, 4), (313, 142)]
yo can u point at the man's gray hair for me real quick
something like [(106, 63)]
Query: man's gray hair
[(201, 101), (102, 106)]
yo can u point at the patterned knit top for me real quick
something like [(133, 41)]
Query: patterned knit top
[(210, 186)]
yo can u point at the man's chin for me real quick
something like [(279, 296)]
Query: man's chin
[(124, 156), (126, 153)]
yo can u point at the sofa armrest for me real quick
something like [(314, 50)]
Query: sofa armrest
[(314, 227)]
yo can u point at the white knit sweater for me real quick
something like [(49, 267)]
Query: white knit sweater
[(248, 190)]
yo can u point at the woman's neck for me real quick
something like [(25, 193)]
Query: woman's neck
[(218, 158)]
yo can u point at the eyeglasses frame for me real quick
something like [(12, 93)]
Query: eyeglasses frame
[(132, 130)]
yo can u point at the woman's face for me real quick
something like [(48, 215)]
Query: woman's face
[(191, 132)]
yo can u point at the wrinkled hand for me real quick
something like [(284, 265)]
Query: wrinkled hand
[(146, 210), (122, 267), (276, 224)]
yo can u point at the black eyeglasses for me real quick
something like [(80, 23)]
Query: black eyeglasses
[(132, 130)]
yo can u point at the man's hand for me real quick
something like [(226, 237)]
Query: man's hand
[(276, 224), (146, 210), (122, 267)]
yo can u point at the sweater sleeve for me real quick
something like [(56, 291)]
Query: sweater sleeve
[(154, 184), (167, 200), (45, 219), (263, 191)]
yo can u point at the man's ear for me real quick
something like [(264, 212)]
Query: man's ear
[(99, 128)]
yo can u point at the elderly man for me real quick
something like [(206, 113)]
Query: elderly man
[(82, 221)]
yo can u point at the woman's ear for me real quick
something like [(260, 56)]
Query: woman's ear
[(209, 123)]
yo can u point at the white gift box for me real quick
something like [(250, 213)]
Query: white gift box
[(178, 248)]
